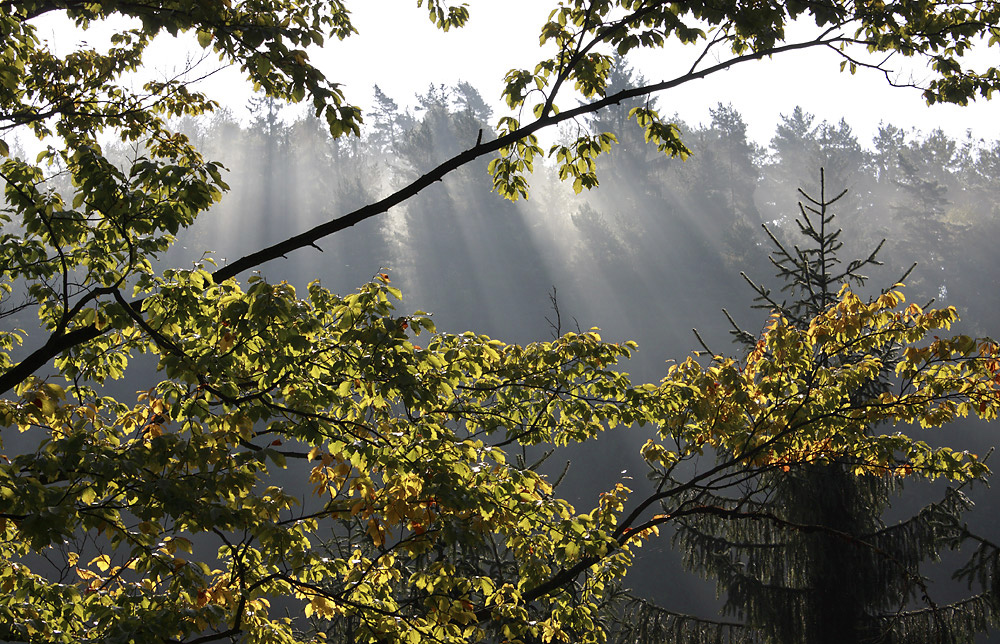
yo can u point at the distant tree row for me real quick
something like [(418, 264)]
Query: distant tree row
[(933, 198)]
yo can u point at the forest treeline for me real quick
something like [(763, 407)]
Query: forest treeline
[(629, 245)]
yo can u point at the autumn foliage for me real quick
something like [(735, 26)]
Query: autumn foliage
[(166, 517)]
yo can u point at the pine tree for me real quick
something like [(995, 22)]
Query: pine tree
[(804, 556)]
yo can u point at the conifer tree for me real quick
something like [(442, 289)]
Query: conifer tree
[(803, 554)]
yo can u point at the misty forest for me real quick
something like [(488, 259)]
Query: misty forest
[(694, 389), (656, 254)]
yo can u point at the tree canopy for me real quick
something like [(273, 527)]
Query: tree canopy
[(833, 582), (177, 517)]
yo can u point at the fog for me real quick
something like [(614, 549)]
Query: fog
[(656, 251)]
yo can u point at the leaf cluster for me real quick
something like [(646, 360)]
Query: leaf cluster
[(418, 520)]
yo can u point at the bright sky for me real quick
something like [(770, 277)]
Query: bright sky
[(400, 50)]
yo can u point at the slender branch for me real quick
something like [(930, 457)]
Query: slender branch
[(57, 343), (309, 237)]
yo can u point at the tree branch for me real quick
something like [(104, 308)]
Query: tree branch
[(56, 344)]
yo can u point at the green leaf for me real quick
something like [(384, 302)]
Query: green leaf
[(204, 38), (88, 495)]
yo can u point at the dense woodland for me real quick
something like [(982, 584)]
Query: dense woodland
[(661, 247)]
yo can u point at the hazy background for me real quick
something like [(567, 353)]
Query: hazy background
[(656, 251)]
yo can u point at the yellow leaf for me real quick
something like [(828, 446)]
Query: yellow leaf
[(376, 532), (103, 562)]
